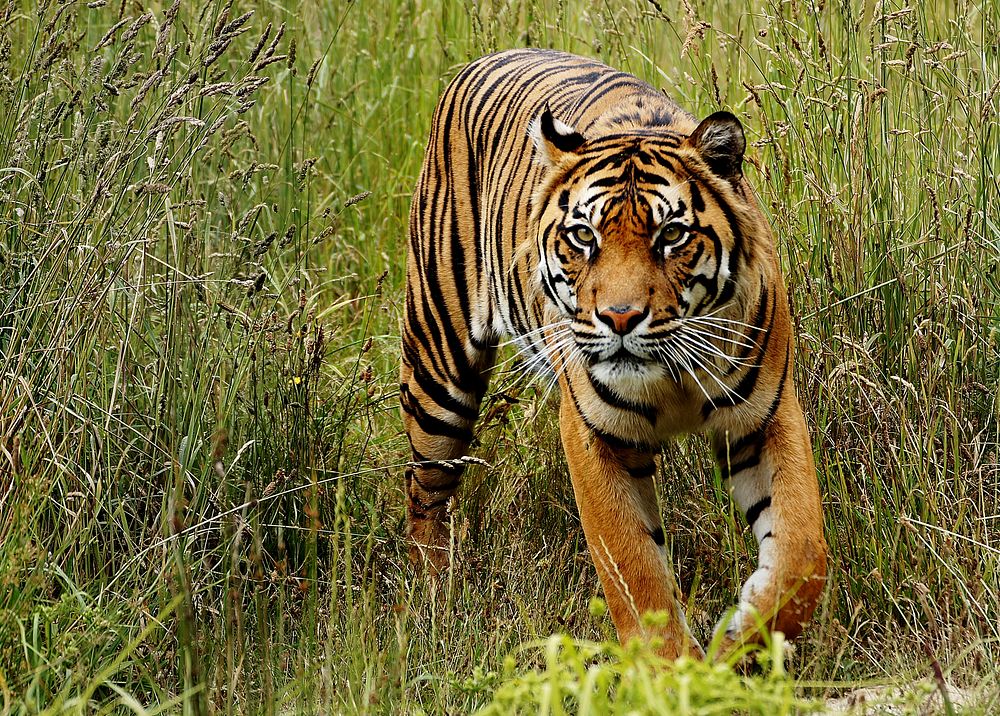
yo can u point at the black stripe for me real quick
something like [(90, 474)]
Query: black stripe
[(758, 321), (432, 425), (753, 440), (738, 239), (611, 180), (658, 536), (697, 202), (426, 507), (417, 455), (613, 399), (657, 322), (696, 257), (745, 388), (436, 319), (712, 295), (728, 470), (447, 487), (619, 80), (457, 469), (439, 394), (655, 141), (642, 472), (612, 441), (753, 514), (414, 330), (416, 506), (772, 409)]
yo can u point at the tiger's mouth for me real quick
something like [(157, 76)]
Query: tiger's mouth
[(623, 364), (622, 351), (622, 358), (625, 372), (627, 363)]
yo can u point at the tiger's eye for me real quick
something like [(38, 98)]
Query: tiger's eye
[(582, 239), (671, 235)]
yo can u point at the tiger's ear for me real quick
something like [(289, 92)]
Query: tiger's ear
[(720, 141), (553, 138)]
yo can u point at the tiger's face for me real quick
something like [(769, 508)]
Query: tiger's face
[(639, 243)]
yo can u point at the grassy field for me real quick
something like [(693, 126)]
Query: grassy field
[(203, 211)]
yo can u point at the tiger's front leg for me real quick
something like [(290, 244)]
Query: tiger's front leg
[(440, 397), (771, 475), (439, 428), (617, 504)]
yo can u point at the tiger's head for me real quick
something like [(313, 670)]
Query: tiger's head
[(642, 235)]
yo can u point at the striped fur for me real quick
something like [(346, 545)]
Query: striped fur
[(582, 212)]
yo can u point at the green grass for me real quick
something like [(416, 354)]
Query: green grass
[(202, 229)]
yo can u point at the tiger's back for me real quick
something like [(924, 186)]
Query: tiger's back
[(580, 210)]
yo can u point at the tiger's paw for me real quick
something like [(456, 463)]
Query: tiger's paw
[(429, 546), (765, 606), (667, 633), (741, 626), (745, 623)]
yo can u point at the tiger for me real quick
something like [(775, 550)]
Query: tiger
[(581, 212)]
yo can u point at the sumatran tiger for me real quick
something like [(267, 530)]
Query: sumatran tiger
[(579, 210)]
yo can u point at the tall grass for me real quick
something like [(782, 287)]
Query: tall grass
[(203, 211)]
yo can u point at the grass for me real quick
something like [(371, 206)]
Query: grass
[(202, 222)]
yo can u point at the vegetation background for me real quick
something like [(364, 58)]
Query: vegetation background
[(203, 213)]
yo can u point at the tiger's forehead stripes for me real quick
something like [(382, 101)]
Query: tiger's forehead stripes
[(652, 205)]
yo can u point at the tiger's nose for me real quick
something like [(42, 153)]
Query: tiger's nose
[(622, 319)]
